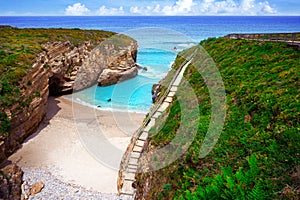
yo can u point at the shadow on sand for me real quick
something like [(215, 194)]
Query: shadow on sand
[(52, 110)]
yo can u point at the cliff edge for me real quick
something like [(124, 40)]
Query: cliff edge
[(36, 63)]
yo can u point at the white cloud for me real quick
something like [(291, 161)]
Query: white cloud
[(148, 10), (266, 8), (181, 7), (110, 11), (207, 7), (156, 9), (77, 9), (231, 7)]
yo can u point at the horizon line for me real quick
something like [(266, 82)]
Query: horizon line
[(149, 15)]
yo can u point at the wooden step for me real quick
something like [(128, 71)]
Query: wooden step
[(127, 188), (140, 143), (143, 136), (137, 149)]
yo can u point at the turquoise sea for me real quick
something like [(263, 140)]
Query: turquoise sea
[(157, 38)]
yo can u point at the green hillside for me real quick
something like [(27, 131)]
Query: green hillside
[(258, 153)]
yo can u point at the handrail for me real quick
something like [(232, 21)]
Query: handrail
[(289, 38), (138, 132), (152, 111)]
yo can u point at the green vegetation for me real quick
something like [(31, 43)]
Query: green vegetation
[(272, 36), (18, 51), (258, 153)]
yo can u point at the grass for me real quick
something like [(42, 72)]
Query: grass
[(274, 36), (18, 51), (258, 153)]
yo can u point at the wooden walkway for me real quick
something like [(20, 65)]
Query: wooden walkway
[(292, 39), (130, 161)]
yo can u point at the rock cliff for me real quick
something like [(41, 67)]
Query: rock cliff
[(64, 63), (59, 69), (10, 182), (122, 68), (26, 115)]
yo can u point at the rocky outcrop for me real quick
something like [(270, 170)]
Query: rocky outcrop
[(156, 89), (81, 67), (60, 69), (64, 63), (112, 61), (109, 76), (122, 66), (10, 182)]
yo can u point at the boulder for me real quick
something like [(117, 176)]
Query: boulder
[(156, 88), (36, 188)]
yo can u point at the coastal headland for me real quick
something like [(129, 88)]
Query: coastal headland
[(61, 144), (40, 64)]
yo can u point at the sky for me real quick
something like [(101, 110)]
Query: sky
[(148, 7)]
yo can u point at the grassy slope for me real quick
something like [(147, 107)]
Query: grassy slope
[(258, 152), (18, 50)]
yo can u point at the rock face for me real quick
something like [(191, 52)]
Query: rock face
[(10, 182), (122, 66), (62, 68), (63, 62), (25, 116), (110, 62)]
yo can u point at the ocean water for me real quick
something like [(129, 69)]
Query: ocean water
[(157, 38)]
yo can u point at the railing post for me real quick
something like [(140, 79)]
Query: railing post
[(289, 38), (293, 38)]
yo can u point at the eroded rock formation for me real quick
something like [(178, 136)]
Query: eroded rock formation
[(60, 69), (63, 62), (110, 76), (121, 67), (10, 182)]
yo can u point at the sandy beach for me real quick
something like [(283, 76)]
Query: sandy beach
[(79, 144)]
